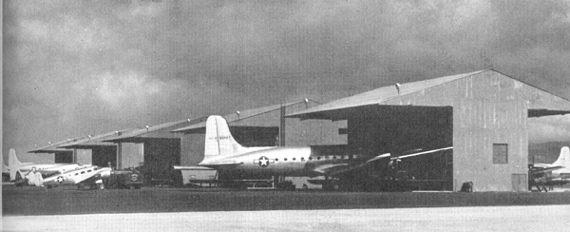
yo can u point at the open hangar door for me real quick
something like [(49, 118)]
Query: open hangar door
[(401, 130), (160, 154), (103, 155)]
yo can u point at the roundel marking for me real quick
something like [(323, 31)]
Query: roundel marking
[(263, 161)]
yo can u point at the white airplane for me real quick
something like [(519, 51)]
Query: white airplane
[(15, 166), (83, 175), (224, 154), (555, 173)]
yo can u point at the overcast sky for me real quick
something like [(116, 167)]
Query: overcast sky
[(73, 68)]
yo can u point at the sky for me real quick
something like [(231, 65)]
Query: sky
[(73, 68)]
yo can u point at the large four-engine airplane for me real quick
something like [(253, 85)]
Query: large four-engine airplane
[(552, 174), (15, 166), (224, 154)]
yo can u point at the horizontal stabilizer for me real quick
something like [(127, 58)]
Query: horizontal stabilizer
[(192, 168)]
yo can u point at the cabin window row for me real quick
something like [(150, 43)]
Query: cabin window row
[(322, 158)]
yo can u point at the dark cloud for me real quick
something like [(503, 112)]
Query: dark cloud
[(73, 68)]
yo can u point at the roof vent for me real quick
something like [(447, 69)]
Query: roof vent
[(398, 87)]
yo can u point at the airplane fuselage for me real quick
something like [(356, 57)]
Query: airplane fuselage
[(286, 161), (78, 175)]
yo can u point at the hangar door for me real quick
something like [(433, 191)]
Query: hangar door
[(160, 154)]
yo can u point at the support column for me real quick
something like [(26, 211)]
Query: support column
[(282, 126), (119, 155), (74, 156)]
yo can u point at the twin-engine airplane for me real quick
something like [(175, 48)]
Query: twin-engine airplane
[(15, 166), (555, 173), (85, 175), (224, 154), (51, 175)]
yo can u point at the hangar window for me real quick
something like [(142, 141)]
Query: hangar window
[(500, 153)]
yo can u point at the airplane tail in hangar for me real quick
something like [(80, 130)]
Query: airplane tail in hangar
[(564, 158), (13, 163), (219, 140)]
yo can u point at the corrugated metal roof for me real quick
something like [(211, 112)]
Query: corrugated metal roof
[(148, 129), (92, 141), (382, 94), (240, 115), (52, 147)]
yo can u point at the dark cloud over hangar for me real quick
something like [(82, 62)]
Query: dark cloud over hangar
[(78, 68)]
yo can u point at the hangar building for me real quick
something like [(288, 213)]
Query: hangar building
[(482, 114)]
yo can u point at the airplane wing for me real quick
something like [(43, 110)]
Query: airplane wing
[(381, 157), (192, 168), (539, 170), (421, 153), (359, 166)]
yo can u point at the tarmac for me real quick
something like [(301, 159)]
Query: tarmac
[(178, 209), (550, 218), (62, 201)]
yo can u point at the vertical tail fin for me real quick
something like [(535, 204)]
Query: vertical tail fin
[(564, 158), (219, 140), (13, 163)]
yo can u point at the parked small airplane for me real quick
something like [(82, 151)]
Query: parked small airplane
[(15, 166), (224, 154), (552, 174), (84, 175)]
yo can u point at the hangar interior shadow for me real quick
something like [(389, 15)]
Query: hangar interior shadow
[(401, 130)]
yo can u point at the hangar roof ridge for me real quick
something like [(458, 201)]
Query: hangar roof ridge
[(94, 140), (69, 143), (384, 93), (148, 129), (242, 115)]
